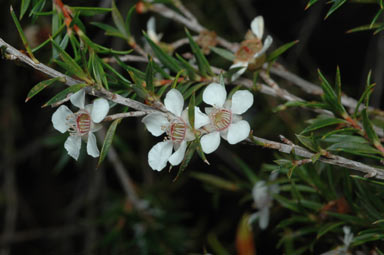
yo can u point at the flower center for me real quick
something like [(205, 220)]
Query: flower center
[(80, 123), (221, 118), (177, 130), (248, 49)]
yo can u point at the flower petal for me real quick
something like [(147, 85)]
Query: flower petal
[(159, 154), (92, 149), (257, 26), (201, 119), (99, 110), (260, 194), (240, 71), (238, 131), (174, 102), (73, 146), (215, 95), (208, 110), (267, 43), (264, 218), (151, 30), (59, 118), (210, 142), (178, 155), (242, 100), (78, 99), (156, 123)]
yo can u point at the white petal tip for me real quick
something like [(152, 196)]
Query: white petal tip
[(257, 26)]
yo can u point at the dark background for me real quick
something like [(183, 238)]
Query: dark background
[(50, 204)]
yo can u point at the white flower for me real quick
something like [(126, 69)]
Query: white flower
[(81, 124), (251, 49), (151, 30), (343, 249), (176, 126), (348, 236), (262, 194), (225, 119)]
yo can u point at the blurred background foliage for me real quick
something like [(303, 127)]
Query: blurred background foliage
[(51, 204)]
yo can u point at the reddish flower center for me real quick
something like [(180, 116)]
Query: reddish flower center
[(177, 130), (221, 118), (248, 49), (83, 123)]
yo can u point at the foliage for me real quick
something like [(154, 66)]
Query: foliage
[(314, 198)]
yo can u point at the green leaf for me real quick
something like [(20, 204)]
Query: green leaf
[(338, 138), (71, 64), (24, 7), (128, 68), (149, 76), (37, 8), (223, 53), (286, 105), (291, 205), (367, 180), (138, 85), (128, 20), (42, 85), (330, 97), (376, 17), (119, 22), (159, 69), (122, 79), (353, 148), (63, 94), (98, 70), (215, 181), (340, 131), (321, 123), (90, 11), (176, 80), (22, 35), (362, 239), (108, 141), (54, 36), (336, 5), (365, 28), (279, 51), (310, 3), (191, 72), (367, 124), (338, 85), (191, 111), (366, 94), (164, 58), (109, 30), (187, 158), (309, 142), (328, 227), (193, 89)]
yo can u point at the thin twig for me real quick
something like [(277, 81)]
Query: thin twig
[(194, 26), (277, 69), (124, 115), (14, 54), (333, 159), (123, 175)]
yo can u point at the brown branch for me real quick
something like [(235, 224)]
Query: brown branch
[(332, 159), (277, 69), (14, 54), (192, 24), (124, 115), (124, 177)]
